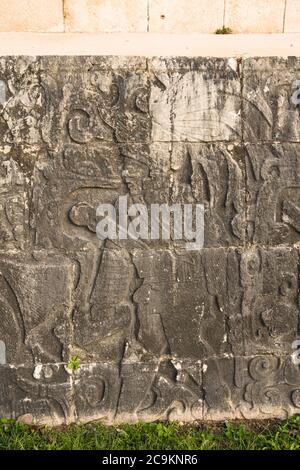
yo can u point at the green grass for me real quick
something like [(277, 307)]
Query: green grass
[(223, 30), (272, 435)]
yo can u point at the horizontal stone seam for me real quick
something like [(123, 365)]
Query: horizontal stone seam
[(153, 362)]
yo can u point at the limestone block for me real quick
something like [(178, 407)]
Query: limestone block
[(158, 331), (105, 15), (195, 99), (185, 16), (204, 287), (270, 312), (274, 198), (36, 306), (292, 17), (270, 97), (31, 15), (249, 386), (43, 393), (168, 389), (254, 16)]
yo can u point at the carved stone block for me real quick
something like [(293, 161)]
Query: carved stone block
[(201, 287), (96, 389), (270, 307), (212, 175), (273, 188), (159, 331), (162, 390), (89, 100), (68, 190), (249, 387), (197, 99), (36, 307)]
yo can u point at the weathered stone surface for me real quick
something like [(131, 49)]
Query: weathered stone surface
[(44, 392), (89, 101), (106, 15), (270, 310), (165, 390), (96, 389), (254, 16), (198, 286), (179, 17), (31, 15), (159, 332), (68, 189), (250, 387), (213, 175), (195, 99), (270, 103)]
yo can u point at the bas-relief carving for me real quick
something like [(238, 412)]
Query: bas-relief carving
[(161, 333)]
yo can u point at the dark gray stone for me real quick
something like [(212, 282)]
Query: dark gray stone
[(214, 175), (195, 100), (163, 390), (158, 331), (270, 308)]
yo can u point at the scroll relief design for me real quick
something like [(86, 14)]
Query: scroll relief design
[(160, 332)]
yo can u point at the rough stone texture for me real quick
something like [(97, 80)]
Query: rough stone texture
[(160, 332), (31, 15), (292, 16), (141, 16)]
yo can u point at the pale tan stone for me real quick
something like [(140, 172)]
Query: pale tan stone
[(26, 419), (106, 15), (150, 44), (31, 15), (292, 17), (185, 16), (254, 16)]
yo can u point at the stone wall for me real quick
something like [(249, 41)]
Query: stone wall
[(157, 16), (156, 331)]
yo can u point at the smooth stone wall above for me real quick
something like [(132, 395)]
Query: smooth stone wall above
[(106, 15), (160, 16)]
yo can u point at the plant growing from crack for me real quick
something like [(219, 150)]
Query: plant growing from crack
[(74, 363), (223, 30)]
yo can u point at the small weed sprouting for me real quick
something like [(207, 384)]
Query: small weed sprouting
[(74, 363), (224, 30)]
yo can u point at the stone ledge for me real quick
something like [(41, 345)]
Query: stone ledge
[(150, 44)]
